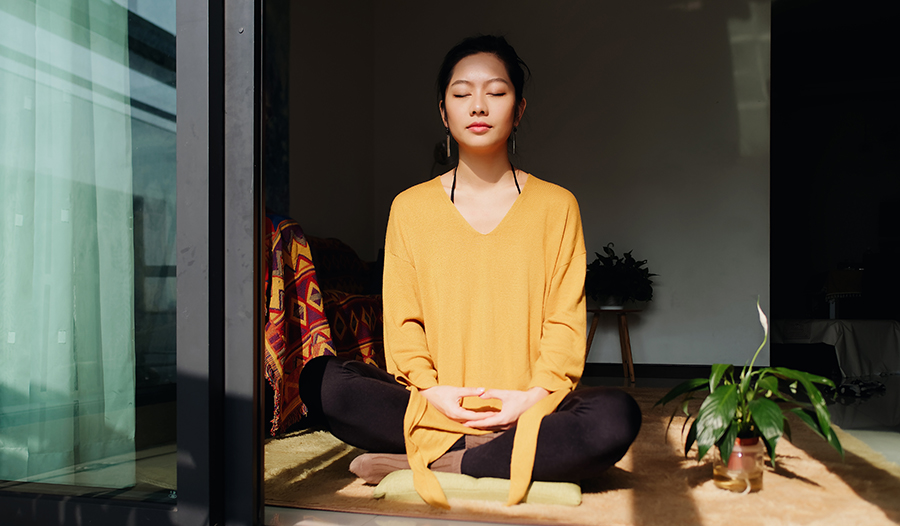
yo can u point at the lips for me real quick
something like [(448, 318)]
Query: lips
[(478, 127)]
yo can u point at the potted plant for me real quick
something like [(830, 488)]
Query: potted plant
[(747, 408), (613, 280)]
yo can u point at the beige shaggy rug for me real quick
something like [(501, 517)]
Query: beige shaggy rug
[(652, 485)]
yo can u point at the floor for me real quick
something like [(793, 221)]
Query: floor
[(874, 419)]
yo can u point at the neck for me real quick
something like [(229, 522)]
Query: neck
[(483, 171)]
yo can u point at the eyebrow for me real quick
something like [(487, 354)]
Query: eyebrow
[(495, 79)]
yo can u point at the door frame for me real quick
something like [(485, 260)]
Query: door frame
[(219, 293)]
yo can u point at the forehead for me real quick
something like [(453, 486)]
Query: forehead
[(480, 66)]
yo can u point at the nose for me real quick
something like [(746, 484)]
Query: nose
[(479, 106)]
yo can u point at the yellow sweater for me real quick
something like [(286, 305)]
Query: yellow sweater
[(502, 310)]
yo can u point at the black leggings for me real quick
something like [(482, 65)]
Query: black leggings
[(364, 406)]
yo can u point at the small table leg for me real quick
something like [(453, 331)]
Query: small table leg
[(594, 321), (625, 344)]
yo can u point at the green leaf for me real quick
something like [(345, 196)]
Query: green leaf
[(767, 383), (685, 404), (832, 439), (793, 374), (746, 375), (818, 402), (716, 414), (770, 447), (695, 384), (767, 417), (683, 426), (769, 420), (726, 443), (787, 430), (684, 409), (781, 396), (718, 371), (691, 438), (808, 417)]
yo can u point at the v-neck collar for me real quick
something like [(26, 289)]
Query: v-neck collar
[(455, 211)]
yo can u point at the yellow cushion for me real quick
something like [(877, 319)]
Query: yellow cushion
[(398, 486)]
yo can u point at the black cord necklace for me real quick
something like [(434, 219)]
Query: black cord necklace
[(453, 187)]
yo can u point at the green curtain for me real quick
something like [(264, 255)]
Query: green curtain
[(67, 272)]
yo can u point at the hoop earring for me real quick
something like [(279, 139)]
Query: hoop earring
[(514, 139), (448, 141)]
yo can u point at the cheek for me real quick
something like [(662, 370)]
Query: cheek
[(456, 114), (509, 110), (508, 117)]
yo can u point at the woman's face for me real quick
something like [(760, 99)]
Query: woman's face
[(479, 105)]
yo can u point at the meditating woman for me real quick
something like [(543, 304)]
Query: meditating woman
[(484, 315)]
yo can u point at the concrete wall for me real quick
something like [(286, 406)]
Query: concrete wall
[(654, 114)]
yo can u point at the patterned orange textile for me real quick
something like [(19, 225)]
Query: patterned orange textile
[(297, 329), (357, 326)]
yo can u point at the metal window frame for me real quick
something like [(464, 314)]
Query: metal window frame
[(219, 217)]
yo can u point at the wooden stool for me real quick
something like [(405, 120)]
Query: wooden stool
[(624, 339)]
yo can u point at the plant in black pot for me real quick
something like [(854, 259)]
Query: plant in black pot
[(612, 280)]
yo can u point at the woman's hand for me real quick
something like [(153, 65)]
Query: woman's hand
[(448, 400), (514, 404)]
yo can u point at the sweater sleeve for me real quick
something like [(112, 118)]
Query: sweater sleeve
[(561, 360), (405, 346)]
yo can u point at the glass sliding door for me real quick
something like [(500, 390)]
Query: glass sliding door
[(87, 237), (128, 339)]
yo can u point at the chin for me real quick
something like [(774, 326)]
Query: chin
[(482, 148)]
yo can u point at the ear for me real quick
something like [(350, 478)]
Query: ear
[(443, 114), (519, 112)]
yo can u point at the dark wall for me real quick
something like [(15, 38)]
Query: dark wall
[(835, 182), (276, 104)]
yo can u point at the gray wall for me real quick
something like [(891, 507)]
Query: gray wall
[(654, 114)]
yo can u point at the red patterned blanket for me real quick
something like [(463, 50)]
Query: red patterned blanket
[(357, 326), (297, 329), (304, 322)]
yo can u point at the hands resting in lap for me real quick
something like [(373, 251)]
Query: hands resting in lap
[(448, 400)]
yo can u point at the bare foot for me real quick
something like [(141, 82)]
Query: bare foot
[(372, 467)]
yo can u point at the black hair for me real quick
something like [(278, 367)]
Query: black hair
[(496, 45)]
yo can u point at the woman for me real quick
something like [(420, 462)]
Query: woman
[(484, 315)]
